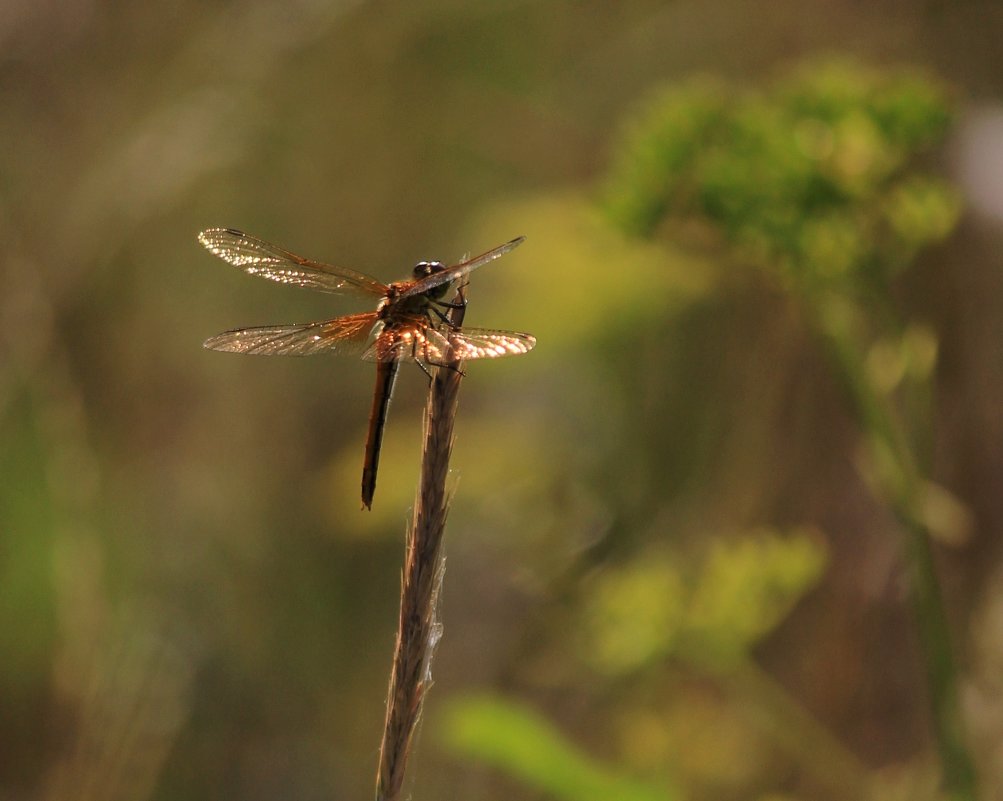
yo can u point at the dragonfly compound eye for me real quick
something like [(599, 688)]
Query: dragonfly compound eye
[(425, 268)]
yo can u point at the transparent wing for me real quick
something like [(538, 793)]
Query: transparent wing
[(348, 334), (257, 257), (464, 267), (405, 341), (431, 345), (480, 343)]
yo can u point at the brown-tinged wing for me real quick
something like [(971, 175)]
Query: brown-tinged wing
[(482, 343), (348, 334), (431, 345), (257, 257), (402, 340), (461, 269)]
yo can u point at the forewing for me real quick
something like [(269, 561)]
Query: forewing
[(480, 343), (347, 334), (461, 269), (257, 257)]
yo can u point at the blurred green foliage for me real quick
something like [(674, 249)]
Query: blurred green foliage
[(520, 742), (713, 612), (822, 179), (634, 621), (191, 604), (814, 176)]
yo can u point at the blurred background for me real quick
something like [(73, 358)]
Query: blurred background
[(715, 538)]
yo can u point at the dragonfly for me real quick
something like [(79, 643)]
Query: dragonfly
[(410, 321)]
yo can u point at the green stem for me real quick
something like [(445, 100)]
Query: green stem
[(901, 484)]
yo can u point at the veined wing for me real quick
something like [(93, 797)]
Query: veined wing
[(348, 334), (403, 340), (481, 343), (464, 267), (431, 345), (257, 257)]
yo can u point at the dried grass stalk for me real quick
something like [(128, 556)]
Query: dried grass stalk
[(418, 628)]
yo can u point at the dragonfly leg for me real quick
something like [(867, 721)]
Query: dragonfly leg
[(426, 362), (424, 369), (452, 306), (420, 361), (445, 305), (444, 319), (445, 365)]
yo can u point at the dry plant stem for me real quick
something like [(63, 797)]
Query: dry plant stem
[(418, 628)]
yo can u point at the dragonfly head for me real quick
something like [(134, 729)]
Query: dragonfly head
[(423, 269)]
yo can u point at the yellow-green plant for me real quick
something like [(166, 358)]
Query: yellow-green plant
[(823, 180)]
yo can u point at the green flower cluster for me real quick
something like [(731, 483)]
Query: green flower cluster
[(711, 613), (817, 176)]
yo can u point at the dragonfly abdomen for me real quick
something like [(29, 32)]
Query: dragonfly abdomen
[(386, 377)]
